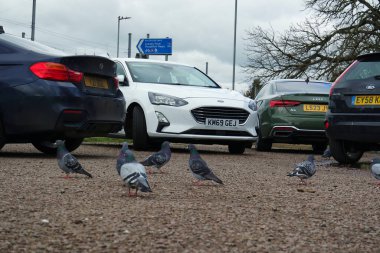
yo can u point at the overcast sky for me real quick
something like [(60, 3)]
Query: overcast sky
[(202, 30)]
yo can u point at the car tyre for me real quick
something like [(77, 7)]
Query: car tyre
[(237, 148), (318, 148), (49, 147), (343, 152), (139, 133), (263, 144)]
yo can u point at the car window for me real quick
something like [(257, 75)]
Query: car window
[(363, 70), (161, 73), (296, 87), (30, 45), (120, 69)]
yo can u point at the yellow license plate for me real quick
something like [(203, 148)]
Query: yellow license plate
[(96, 82), (315, 108), (366, 100)]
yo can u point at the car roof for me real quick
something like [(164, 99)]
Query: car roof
[(298, 80), (369, 55), (151, 61)]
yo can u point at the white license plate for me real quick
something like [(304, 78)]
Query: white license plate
[(222, 122)]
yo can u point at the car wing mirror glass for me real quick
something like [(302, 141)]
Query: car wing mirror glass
[(123, 81)]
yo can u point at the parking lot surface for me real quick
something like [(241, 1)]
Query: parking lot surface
[(258, 209)]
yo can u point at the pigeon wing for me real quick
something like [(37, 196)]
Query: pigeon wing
[(199, 167), (73, 165)]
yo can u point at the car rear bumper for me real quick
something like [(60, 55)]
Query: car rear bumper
[(354, 127), (291, 134), (55, 110)]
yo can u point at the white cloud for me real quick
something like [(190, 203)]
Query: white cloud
[(202, 30)]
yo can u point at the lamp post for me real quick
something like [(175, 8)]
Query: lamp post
[(233, 67), (118, 32), (33, 19)]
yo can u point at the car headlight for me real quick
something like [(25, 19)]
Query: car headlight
[(161, 99), (252, 105)]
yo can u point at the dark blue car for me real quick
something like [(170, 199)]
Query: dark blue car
[(47, 95)]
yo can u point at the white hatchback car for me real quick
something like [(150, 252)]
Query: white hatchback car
[(179, 103)]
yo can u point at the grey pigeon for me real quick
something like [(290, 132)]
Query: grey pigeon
[(375, 169), (327, 153), (122, 158), (160, 158), (304, 170), (133, 174), (67, 162), (199, 168)]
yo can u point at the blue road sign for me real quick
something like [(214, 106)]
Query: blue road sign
[(155, 46)]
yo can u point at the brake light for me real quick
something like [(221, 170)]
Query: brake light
[(56, 72), (283, 103), (116, 83), (327, 124), (341, 76)]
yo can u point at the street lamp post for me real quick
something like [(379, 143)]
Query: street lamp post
[(118, 32), (233, 67), (33, 19)]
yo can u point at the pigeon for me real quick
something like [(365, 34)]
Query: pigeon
[(304, 170), (199, 168), (122, 158), (67, 162), (375, 169), (327, 153), (133, 174), (160, 158)]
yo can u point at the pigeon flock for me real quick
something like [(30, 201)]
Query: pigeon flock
[(134, 176)]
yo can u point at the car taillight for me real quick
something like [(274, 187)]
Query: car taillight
[(56, 72), (327, 124), (341, 75), (283, 103), (116, 83)]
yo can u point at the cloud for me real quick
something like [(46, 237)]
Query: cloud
[(201, 30)]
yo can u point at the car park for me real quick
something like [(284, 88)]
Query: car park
[(353, 117), (47, 95), (292, 111), (179, 103)]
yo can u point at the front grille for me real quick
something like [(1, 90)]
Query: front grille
[(200, 114)]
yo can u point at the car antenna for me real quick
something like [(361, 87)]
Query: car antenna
[(1, 29)]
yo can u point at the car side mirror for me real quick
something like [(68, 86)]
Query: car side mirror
[(123, 80)]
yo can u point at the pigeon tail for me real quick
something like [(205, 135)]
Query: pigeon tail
[(85, 173), (143, 185), (214, 178)]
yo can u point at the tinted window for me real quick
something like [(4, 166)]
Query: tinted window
[(296, 87), (153, 72), (363, 70)]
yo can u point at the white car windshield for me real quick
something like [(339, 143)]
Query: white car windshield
[(161, 73)]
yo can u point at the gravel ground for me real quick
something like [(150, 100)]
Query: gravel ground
[(258, 209)]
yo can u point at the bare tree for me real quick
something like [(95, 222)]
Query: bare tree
[(321, 47)]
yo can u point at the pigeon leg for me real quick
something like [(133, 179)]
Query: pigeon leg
[(303, 182), (132, 194), (198, 182), (67, 176)]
